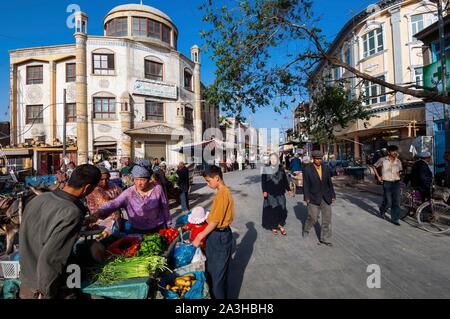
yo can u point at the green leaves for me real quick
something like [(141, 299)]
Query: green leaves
[(242, 40), (330, 107)]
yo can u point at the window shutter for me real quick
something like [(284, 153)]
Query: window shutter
[(111, 61)]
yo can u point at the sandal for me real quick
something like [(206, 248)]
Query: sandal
[(274, 232), (283, 231)]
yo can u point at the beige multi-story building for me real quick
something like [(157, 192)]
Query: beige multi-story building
[(127, 91), (380, 42)]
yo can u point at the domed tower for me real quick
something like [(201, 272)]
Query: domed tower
[(141, 23)]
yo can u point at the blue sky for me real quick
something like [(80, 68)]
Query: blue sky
[(34, 23)]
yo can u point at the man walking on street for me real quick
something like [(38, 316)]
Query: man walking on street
[(183, 183), (391, 167), (319, 195), (50, 227)]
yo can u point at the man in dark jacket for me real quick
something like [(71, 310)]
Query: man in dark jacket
[(183, 183), (50, 228), (319, 195), (421, 175)]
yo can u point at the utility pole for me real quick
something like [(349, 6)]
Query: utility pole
[(64, 130), (444, 72)]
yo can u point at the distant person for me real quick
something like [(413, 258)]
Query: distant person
[(391, 168), (296, 164), (184, 184), (319, 195), (422, 176)]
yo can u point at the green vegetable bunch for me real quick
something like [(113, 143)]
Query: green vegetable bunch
[(173, 178), (153, 245), (127, 268)]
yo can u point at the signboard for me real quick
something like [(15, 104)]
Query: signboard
[(155, 88), (432, 75)]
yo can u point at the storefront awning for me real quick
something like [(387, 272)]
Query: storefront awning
[(23, 152)]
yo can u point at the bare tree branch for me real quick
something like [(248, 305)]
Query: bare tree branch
[(333, 60)]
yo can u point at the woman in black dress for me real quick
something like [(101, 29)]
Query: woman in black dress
[(274, 184)]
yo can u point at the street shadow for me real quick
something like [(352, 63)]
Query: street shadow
[(361, 203), (301, 212), (197, 186), (242, 254), (251, 180)]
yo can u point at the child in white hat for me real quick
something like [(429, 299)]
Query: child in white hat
[(197, 223)]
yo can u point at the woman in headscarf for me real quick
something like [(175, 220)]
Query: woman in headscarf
[(145, 203), (103, 193), (274, 186)]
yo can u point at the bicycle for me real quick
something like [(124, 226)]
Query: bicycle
[(432, 215)]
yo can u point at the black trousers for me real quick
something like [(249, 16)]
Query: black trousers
[(218, 253)]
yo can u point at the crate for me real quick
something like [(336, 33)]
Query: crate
[(10, 269)]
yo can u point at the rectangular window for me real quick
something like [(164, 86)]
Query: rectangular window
[(337, 74), (104, 108), (103, 63), (374, 93), (165, 34), (348, 56), (154, 29), (153, 71), (71, 75), (140, 27), (154, 111), (71, 112), (34, 114), (117, 27), (373, 42), (188, 81), (35, 74), (417, 25), (418, 76)]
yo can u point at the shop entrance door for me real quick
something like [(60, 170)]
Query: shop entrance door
[(155, 150)]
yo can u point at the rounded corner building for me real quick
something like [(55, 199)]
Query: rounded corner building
[(126, 94)]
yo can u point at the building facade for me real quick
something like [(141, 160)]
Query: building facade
[(381, 42), (128, 93), (432, 79)]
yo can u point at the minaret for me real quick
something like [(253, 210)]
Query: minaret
[(198, 129), (81, 21)]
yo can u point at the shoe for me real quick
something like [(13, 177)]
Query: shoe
[(326, 243), (397, 223), (305, 234)]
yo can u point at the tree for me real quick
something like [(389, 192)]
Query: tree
[(332, 108), (242, 39)]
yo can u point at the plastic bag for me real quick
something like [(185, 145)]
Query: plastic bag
[(11, 289), (199, 257), (183, 254), (197, 291), (128, 246), (182, 220)]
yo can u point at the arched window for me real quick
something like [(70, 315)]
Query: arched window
[(154, 69), (188, 85), (103, 62), (188, 114)]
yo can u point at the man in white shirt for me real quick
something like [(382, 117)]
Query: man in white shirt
[(391, 168)]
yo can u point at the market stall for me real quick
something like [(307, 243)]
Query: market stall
[(131, 266)]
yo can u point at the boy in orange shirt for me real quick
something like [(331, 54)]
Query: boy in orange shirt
[(219, 239)]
